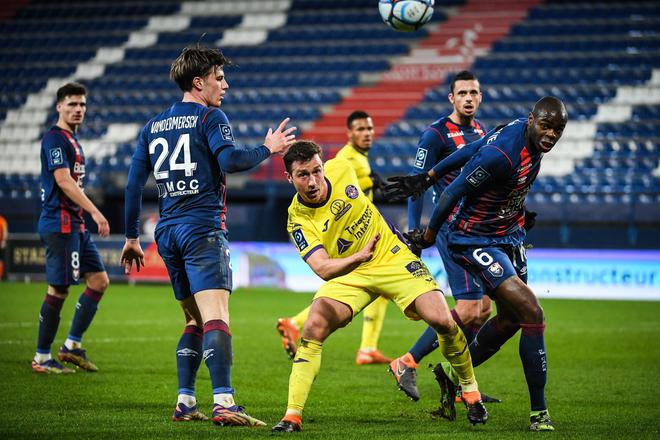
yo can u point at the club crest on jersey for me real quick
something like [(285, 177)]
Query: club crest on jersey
[(225, 131), (420, 158), (299, 239), (478, 176), (56, 156), (343, 245), (339, 208), (496, 269), (351, 192)]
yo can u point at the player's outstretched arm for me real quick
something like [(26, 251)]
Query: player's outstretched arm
[(328, 268), (74, 192), (402, 187), (456, 160), (279, 141), (132, 254), (233, 159)]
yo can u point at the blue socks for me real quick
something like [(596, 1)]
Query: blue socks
[(533, 357), (426, 343), (188, 358), (49, 321), (218, 355), (86, 308), (489, 340)]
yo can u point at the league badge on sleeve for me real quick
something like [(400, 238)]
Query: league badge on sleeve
[(420, 159), (299, 239), (225, 131), (478, 176), (56, 156)]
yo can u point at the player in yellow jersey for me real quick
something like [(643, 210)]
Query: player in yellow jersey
[(345, 240), (360, 138)]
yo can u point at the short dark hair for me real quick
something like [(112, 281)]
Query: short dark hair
[(357, 114), (195, 61), (301, 151), (70, 89), (550, 104), (463, 75)]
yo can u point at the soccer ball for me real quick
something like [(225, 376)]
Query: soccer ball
[(406, 15)]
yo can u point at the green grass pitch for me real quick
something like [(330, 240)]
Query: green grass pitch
[(604, 373)]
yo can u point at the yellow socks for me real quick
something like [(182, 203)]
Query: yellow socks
[(454, 347), (374, 315), (306, 366)]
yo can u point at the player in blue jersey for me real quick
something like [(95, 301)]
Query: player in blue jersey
[(439, 140), (189, 148), (487, 232), (70, 250)]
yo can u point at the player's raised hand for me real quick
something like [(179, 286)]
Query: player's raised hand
[(403, 187), (131, 253), (102, 223), (367, 252), (279, 141)]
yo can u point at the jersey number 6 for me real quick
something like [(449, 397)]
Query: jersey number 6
[(482, 257)]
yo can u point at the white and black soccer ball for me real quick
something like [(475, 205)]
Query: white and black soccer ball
[(406, 15)]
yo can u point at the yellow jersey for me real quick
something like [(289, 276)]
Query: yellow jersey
[(360, 164), (342, 224)]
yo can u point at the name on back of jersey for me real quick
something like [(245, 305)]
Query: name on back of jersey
[(174, 123)]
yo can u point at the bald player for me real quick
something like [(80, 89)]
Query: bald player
[(486, 235)]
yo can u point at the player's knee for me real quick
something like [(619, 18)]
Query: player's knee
[(486, 310), (318, 328), (442, 324), (469, 311), (99, 282), (533, 313), (60, 291), (538, 315)]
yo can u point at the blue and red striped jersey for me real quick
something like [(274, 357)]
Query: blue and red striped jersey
[(60, 149), (180, 147), (438, 141), (494, 184)]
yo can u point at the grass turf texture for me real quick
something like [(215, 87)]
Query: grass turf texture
[(604, 361)]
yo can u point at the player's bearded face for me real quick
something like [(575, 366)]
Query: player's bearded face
[(362, 133), (466, 97), (546, 129), (72, 110), (309, 180)]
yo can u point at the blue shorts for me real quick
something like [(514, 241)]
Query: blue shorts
[(70, 256), (492, 264), (196, 257), (463, 284)]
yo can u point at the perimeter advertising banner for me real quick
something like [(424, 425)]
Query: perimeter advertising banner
[(557, 273)]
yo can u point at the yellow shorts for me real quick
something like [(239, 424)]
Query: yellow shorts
[(401, 279)]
